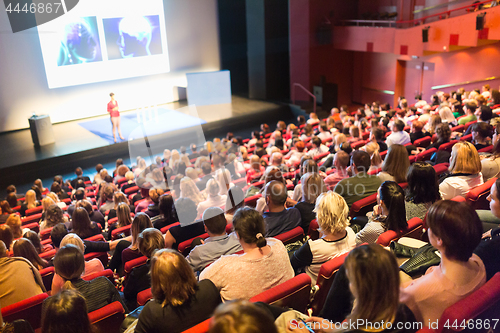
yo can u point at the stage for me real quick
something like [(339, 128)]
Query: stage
[(147, 132)]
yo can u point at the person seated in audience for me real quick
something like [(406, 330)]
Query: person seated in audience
[(371, 276), (256, 170), (12, 201), (66, 312), (217, 244), (213, 200), (455, 231), (432, 124), (167, 214), (336, 235), (91, 266), (269, 175), (149, 241), (465, 171), (13, 189), (69, 264), (360, 185), (6, 236), (263, 265), (422, 190), (481, 131), (5, 211), (124, 219), (15, 224), (107, 199), (235, 200), (395, 164), (443, 133), (153, 209), (416, 131), (469, 109), (372, 148), (23, 247), (278, 218), (143, 194), (313, 119), (97, 178), (179, 302), (35, 240), (81, 224), (120, 172), (79, 176), (18, 277), (398, 135), (94, 215), (242, 316), (189, 227), (490, 166), (77, 195), (378, 135), (324, 133), (294, 156), (317, 147), (56, 188), (313, 186), (188, 189), (340, 163), (388, 214), (29, 202), (276, 162), (447, 116), (130, 181), (56, 199), (39, 189)]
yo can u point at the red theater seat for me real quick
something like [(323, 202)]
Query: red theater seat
[(47, 276), (144, 296), (165, 229), (293, 293), (291, 236), (313, 230), (125, 230), (200, 328), (483, 305), (447, 146), (133, 189), (35, 210), (467, 137), (477, 196), (108, 319), (363, 206), (32, 218), (488, 149), (252, 201), (441, 168), (131, 264), (414, 230), (30, 310), (324, 282), (426, 154), (107, 273)]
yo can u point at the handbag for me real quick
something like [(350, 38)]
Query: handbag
[(401, 250), (424, 258)]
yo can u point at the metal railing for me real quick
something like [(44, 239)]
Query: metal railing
[(369, 23), (306, 91)]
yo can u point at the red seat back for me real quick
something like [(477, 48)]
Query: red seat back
[(313, 230), (459, 128), (291, 236), (131, 264), (470, 123), (447, 146), (35, 210), (32, 218), (48, 255), (34, 226), (30, 310), (108, 319), (96, 238), (200, 328), (107, 273), (144, 296), (131, 190), (293, 293), (488, 149), (477, 196), (374, 172), (414, 230), (483, 305), (467, 137), (426, 154), (125, 230), (185, 247), (47, 276), (165, 229), (441, 168), (325, 280), (45, 234), (102, 256), (252, 201), (363, 206), (321, 156)]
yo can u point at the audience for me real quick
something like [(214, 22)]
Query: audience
[(234, 276), (189, 227), (66, 312), (398, 135), (422, 190), (25, 249), (395, 164), (278, 219)]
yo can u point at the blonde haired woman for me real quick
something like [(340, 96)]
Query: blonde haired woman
[(118, 198), (465, 171), (179, 302), (336, 235), (56, 200), (175, 158), (29, 202), (190, 190), (372, 148), (433, 122), (339, 139), (214, 198), (312, 187), (91, 266), (447, 116), (14, 222), (192, 173)]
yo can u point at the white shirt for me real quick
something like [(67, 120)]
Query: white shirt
[(324, 135), (215, 201), (398, 138), (459, 185)]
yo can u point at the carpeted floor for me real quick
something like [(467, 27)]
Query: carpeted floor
[(162, 121)]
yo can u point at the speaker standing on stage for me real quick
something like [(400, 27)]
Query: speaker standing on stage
[(115, 116)]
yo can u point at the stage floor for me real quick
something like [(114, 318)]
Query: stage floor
[(79, 144)]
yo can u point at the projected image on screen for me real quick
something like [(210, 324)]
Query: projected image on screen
[(129, 37), (79, 42)]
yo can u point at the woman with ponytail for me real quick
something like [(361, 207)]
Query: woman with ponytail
[(388, 214), (263, 264), (69, 264)]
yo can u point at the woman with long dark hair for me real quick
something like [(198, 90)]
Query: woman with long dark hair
[(66, 312), (24, 248), (422, 190), (82, 226), (388, 214)]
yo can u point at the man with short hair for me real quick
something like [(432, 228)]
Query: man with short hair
[(398, 135), (361, 184), (279, 219), (78, 195), (469, 109), (206, 168), (377, 135), (218, 243), (324, 133), (194, 152), (276, 163), (79, 175), (340, 162)]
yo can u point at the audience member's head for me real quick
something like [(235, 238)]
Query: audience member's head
[(34, 239), (360, 160), (235, 199), (214, 220), (149, 241), (57, 234), (141, 221), (24, 248), (397, 162), (186, 210), (66, 311), (14, 222), (443, 132), (464, 158), (6, 235), (332, 212), (276, 194), (69, 264), (12, 200), (392, 199), (250, 227), (423, 184), (312, 186)]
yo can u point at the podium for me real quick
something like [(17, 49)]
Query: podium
[(41, 130)]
